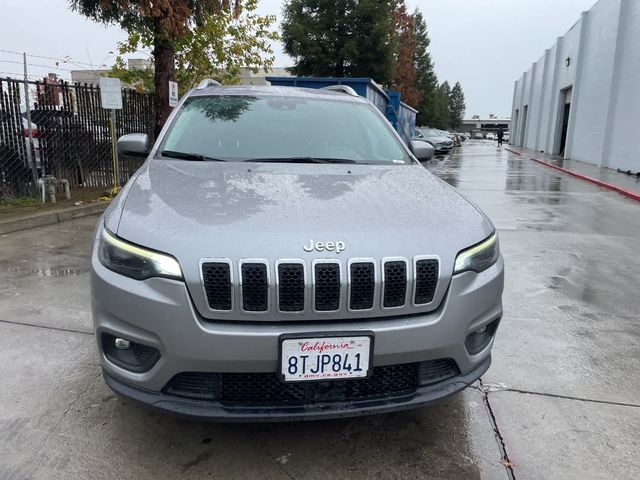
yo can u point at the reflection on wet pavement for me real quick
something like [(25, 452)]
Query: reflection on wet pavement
[(570, 334)]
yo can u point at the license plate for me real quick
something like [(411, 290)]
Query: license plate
[(325, 358)]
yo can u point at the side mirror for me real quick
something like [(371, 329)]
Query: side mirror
[(134, 144), (423, 151)]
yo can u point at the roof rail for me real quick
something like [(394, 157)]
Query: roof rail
[(208, 82), (341, 88)]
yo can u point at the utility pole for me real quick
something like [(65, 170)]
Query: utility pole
[(30, 159)]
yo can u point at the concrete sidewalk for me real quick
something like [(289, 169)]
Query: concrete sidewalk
[(628, 185), (51, 216)]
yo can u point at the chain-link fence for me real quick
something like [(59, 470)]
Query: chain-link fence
[(69, 136)]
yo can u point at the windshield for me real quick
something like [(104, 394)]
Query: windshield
[(245, 128)]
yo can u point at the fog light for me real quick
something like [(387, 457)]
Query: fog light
[(129, 355), (479, 339), (122, 344)]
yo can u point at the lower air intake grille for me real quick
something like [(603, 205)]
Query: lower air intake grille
[(217, 284), (255, 287), (258, 387), (362, 286), (426, 280), (395, 283), (291, 287), (266, 389), (327, 286)]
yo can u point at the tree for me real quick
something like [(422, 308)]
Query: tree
[(162, 24), (217, 48), (426, 80), (404, 77), (440, 108), (457, 106), (339, 38)]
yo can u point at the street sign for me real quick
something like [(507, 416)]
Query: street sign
[(110, 93), (173, 93)]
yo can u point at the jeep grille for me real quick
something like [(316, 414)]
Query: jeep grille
[(323, 286)]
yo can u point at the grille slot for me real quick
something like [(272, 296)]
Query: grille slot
[(426, 280), (291, 287), (217, 284), (255, 287), (395, 283), (199, 385), (327, 286), (435, 371), (362, 276)]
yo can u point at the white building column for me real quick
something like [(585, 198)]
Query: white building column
[(575, 93), (530, 109), (521, 120), (615, 80), (543, 95), (554, 110)]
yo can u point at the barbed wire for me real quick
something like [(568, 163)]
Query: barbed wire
[(65, 59), (20, 75), (36, 65)]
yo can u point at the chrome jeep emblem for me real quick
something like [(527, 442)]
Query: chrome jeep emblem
[(324, 246)]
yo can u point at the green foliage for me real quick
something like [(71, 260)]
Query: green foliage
[(441, 106), (218, 47), (340, 38), (200, 37), (426, 80), (20, 202), (456, 106)]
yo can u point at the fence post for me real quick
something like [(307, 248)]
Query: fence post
[(114, 147), (30, 159)]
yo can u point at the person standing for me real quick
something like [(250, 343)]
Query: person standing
[(500, 137)]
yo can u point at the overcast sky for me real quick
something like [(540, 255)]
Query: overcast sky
[(483, 44)]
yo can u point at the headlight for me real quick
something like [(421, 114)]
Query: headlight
[(478, 258), (133, 261)]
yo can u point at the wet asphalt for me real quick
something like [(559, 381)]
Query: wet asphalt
[(561, 400)]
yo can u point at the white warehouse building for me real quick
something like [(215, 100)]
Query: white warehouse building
[(581, 100)]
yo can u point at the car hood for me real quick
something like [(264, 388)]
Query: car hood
[(439, 139), (196, 210)]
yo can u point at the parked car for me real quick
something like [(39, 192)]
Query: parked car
[(419, 136), (491, 136), (442, 145), (478, 136), (260, 263), (454, 138)]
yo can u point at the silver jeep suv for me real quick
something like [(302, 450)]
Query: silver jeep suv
[(282, 255)]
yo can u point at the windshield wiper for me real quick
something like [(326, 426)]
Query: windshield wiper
[(301, 160), (189, 156)]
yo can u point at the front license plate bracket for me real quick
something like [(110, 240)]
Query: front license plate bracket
[(325, 356)]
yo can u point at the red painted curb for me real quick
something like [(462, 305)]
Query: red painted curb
[(627, 193), (512, 151)]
